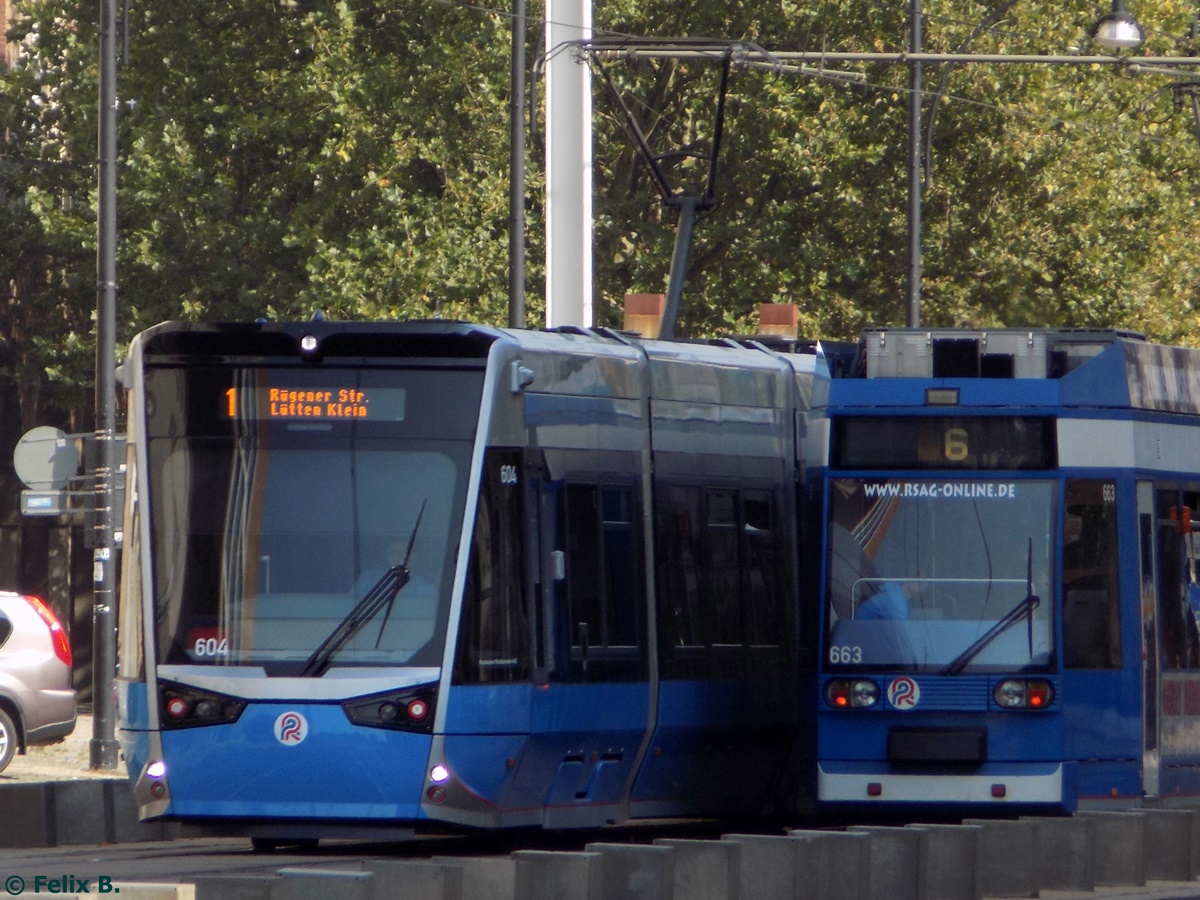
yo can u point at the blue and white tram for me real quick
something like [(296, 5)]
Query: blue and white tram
[(1012, 606), (390, 576)]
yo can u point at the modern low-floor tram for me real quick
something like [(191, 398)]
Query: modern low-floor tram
[(395, 576)]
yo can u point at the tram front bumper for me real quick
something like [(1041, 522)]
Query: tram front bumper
[(291, 762), (1035, 783)]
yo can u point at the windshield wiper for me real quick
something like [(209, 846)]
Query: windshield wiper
[(1022, 610), (382, 595)]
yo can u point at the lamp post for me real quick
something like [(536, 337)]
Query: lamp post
[(913, 280), (102, 749), (516, 180)]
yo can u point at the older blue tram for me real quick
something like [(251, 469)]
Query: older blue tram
[(381, 577), (1011, 614)]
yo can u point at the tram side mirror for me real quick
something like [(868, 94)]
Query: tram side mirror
[(522, 377)]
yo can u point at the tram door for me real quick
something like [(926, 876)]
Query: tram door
[(1177, 612), (591, 701), (1101, 674)]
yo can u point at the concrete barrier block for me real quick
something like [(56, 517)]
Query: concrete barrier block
[(549, 875), (1169, 844), (79, 812), (1195, 814), (947, 867), (1120, 847), (26, 816), (233, 887), (768, 865), (1007, 860), (136, 890), (317, 884), (149, 891), (837, 865), (635, 871), (704, 870), (895, 861), (415, 879), (485, 877), (1067, 853)]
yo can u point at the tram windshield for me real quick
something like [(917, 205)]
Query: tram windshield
[(281, 497), (935, 575)]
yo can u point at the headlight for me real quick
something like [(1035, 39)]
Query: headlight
[(1024, 693), (851, 693)]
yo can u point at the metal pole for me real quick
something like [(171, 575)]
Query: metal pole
[(688, 207), (569, 165), (103, 746), (516, 197), (913, 286)]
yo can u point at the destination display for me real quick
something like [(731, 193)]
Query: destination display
[(315, 403), (944, 442)]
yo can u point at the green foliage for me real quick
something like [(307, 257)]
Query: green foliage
[(283, 156), (1057, 195)]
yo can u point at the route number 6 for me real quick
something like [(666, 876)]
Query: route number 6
[(954, 444)]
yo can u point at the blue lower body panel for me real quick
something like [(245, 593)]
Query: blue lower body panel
[(320, 766), (133, 717), (719, 747)]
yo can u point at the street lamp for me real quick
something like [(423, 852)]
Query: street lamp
[(1118, 30)]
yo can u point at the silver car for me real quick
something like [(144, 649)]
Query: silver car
[(37, 702)]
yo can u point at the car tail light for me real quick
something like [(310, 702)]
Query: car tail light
[(58, 635), (1024, 693)]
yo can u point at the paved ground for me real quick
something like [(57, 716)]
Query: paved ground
[(65, 761)]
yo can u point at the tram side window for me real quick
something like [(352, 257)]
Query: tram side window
[(722, 585), (767, 623), (494, 637), (129, 635), (603, 585), (684, 628), (1091, 626)]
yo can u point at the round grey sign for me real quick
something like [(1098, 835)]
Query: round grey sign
[(45, 458)]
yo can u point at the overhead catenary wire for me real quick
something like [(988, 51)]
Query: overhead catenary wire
[(794, 63)]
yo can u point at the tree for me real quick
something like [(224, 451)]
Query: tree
[(276, 159), (48, 228), (285, 156), (1039, 212)]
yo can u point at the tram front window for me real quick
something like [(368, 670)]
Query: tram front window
[(268, 535), (940, 575)]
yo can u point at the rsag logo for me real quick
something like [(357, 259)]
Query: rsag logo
[(291, 728), (903, 693)]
